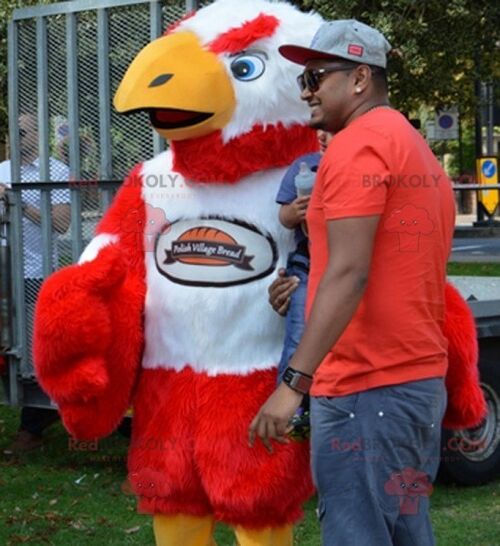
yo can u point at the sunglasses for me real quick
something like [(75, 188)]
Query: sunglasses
[(311, 78)]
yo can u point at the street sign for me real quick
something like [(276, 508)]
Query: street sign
[(446, 125), (430, 130), (487, 174)]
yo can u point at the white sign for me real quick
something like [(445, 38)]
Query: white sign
[(430, 130), (446, 125)]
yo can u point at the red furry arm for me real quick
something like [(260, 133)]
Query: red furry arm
[(466, 403), (88, 337)]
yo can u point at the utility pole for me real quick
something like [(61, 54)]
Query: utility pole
[(478, 126), (489, 100)]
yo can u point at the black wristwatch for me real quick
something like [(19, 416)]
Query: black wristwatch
[(297, 381)]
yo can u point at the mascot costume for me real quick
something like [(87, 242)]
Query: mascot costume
[(167, 309)]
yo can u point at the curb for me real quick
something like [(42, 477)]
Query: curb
[(471, 232)]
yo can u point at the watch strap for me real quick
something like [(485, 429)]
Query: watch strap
[(297, 381)]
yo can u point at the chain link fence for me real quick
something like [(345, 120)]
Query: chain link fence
[(69, 148)]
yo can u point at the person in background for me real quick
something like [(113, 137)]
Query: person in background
[(373, 355), (34, 421)]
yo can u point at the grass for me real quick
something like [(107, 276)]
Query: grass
[(475, 269), (60, 496)]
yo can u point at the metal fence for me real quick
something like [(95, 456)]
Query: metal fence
[(44, 225), (68, 145), (65, 63)]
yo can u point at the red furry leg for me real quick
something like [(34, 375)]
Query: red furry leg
[(190, 453)]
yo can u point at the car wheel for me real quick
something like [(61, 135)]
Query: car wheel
[(472, 456)]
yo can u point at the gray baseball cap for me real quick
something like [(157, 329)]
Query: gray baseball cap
[(345, 39)]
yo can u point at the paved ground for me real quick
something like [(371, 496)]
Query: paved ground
[(470, 248), (485, 249), (481, 288)]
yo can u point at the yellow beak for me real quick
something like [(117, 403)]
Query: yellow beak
[(185, 88)]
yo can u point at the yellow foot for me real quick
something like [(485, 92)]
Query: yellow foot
[(183, 530), (269, 536)]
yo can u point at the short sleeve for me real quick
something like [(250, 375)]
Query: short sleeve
[(5, 173), (287, 192), (59, 172), (354, 174), (58, 197)]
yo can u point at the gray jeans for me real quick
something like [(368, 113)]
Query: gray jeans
[(374, 457)]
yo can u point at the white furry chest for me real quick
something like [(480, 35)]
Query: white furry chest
[(208, 273)]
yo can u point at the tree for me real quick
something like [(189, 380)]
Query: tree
[(443, 46)]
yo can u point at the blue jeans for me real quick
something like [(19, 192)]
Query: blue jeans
[(374, 457), (297, 265)]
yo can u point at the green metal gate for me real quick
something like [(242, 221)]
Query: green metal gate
[(65, 63)]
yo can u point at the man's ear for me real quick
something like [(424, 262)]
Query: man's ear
[(362, 77)]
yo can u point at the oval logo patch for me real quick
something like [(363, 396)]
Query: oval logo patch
[(214, 252)]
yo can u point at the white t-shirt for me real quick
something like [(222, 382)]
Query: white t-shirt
[(32, 232)]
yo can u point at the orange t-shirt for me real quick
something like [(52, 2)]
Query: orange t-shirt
[(380, 165)]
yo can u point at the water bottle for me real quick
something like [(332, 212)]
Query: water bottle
[(304, 181)]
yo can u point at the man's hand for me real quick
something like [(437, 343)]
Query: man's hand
[(292, 214), (61, 217), (272, 421), (280, 291)]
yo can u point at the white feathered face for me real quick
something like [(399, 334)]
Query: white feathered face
[(221, 70)]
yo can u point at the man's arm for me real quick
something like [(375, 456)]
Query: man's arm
[(61, 216), (350, 246)]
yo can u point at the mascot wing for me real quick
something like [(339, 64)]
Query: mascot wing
[(88, 336), (466, 403)]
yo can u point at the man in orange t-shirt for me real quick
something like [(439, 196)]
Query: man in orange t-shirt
[(381, 221)]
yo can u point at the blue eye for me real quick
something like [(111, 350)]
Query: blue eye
[(247, 67)]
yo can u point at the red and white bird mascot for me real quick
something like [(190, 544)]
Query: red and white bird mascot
[(167, 309)]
